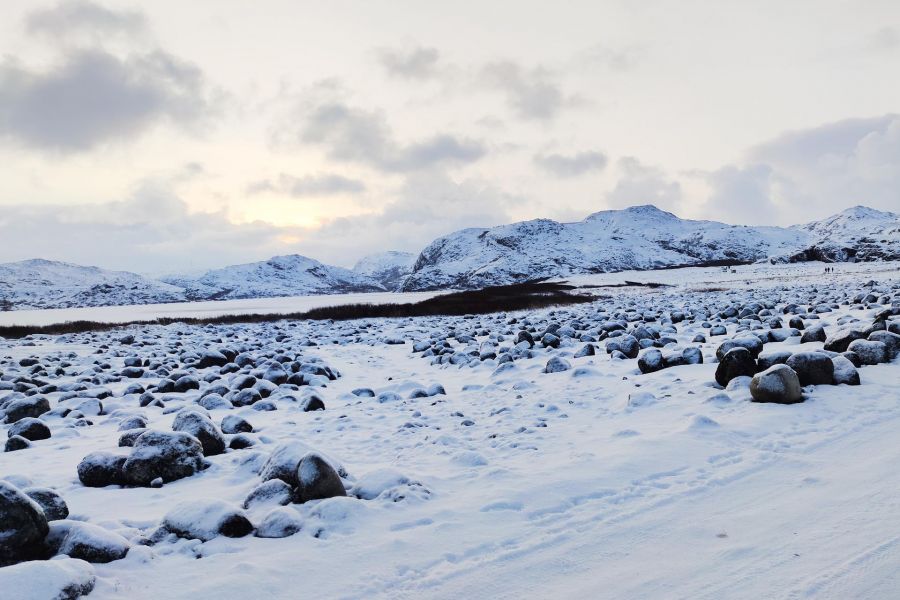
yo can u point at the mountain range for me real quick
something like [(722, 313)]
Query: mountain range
[(639, 237)]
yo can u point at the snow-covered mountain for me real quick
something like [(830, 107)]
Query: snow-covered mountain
[(291, 275), (387, 268), (856, 234), (41, 283), (640, 237)]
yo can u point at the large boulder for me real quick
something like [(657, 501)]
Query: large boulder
[(51, 503), (869, 352), (201, 427), (207, 519), (812, 368), (23, 408), (30, 428), (890, 340), (626, 344), (281, 522), (234, 424), (737, 362), (23, 525), (844, 371), (778, 384), (100, 469), (283, 462), (165, 455), (86, 541), (317, 480), (61, 579), (651, 360), (839, 341), (752, 343), (778, 357), (272, 492), (813, 334), (557, 365)]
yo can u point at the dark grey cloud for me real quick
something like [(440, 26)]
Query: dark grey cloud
[(82, 17), (93, 97), (532, 93), (90, 95), (561, 165), (322, 184), (417, 62), (643, 184), (352, 134)]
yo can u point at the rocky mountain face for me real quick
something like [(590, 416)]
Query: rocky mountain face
[(640, 237), (856, 234), (38, 283), (291, 275), (389, 268)]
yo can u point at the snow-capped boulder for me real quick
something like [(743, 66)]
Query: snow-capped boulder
[(779, 384)]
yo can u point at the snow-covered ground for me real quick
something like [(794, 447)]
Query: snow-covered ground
[(597, 481)]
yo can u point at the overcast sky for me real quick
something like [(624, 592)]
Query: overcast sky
[(165, 136)]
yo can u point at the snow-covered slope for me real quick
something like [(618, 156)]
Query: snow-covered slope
[(858, 233), (41, 283), (291, 275), (640, 237), (388, 268)]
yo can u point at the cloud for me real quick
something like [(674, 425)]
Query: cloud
[(531, 93), (351, 134), (822, 170), (93, 97), (152, 231), (323, 184), (418, 62), (642, 184), (79, 18), (428, 205), (614, 59), (742, 195), (573, 165)]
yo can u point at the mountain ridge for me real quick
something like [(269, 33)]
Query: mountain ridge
[(638, 237)]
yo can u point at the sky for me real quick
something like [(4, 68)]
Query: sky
[(169, 136)]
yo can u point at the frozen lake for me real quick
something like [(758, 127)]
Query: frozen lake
[(687, 278), (213, 308)]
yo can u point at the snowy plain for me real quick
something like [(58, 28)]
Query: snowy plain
[(209, 308), (597, 481)]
